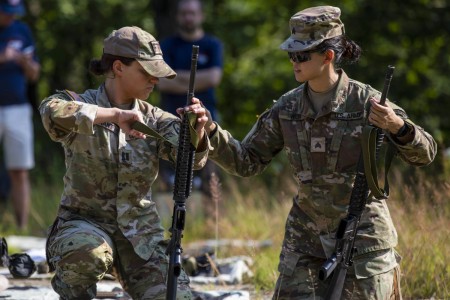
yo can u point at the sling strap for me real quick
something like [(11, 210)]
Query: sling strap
[(368, 141), (195, 140)]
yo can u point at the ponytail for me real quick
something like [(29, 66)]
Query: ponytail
[(346, 51)]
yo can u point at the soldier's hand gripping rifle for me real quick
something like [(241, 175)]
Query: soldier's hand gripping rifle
[(182, 188), (342, 258)]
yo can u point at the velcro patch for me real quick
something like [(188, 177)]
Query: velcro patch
[(318, 144)]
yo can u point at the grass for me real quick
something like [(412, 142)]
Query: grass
[(246, 209)]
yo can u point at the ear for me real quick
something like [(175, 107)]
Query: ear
[(117, 68), (329, 56)]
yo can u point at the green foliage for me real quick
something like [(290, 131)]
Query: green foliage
[(412, 35)]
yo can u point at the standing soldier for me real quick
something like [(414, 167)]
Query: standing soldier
[(107, 221), (319, 125)]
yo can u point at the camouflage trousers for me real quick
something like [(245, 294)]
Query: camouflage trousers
[(301, 281), (82, 253)]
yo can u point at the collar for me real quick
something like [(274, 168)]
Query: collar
[(102, 100), (337, 103)]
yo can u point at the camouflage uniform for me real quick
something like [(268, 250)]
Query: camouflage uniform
[(323, 151), (107, 220)]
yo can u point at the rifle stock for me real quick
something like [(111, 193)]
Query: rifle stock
[(182, 188), (342, 258)]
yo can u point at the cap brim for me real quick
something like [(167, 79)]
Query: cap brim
[(157, 68), (294, 45)]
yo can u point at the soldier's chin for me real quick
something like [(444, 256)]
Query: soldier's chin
[(145, 95)]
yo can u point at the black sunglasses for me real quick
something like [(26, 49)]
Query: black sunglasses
[(300, 57)]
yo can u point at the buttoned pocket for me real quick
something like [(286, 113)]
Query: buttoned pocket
[(375, 263), (350, 147), (288, 262)]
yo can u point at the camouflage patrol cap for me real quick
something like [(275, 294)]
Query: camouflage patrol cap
[(133, 42), (312, 26)]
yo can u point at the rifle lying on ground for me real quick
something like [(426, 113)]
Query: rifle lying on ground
[(182, 188), (342, 258)]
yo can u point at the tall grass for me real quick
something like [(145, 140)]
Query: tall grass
[(421, 214), (419, 207), (247, 210)]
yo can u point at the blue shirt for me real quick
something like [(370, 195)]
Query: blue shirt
[(13, 84), (177, 53)]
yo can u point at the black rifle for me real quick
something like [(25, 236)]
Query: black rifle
[(182, 188), (342, 258)]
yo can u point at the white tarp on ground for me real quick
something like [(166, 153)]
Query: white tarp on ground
[(27, 290), (232, 272), (38, 287)]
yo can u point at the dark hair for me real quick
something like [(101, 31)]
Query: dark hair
[(104, 65), (345, 50)]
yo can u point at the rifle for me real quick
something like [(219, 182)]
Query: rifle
[(182, 188), (342, 258)]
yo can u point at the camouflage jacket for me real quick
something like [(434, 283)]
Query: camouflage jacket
[(323, 151), (109, 175)]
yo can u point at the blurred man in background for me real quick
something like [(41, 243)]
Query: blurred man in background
[(18, 65), (177, 53)]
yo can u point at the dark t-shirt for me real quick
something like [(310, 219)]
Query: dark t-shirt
[(177, 53), (13, 84)]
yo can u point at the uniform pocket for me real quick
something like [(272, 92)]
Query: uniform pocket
[(375, 263), (288, 262), (350, 146), (296, 145)]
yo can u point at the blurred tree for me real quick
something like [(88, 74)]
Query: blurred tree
[(164, 12), (70, 33), (410, 34)]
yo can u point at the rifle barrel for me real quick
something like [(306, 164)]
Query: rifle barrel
[(182, 188)]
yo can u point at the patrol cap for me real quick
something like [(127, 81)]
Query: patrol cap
[(12, 7), (133, 42), (312, 26)]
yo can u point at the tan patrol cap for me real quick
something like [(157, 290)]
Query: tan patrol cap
[(133, 42), (312, 26)]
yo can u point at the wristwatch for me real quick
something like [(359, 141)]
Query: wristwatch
[(403, 130)]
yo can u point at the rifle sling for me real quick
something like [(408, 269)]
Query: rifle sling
[(368, 141), (139, 126)]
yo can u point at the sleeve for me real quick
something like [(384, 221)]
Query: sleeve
[(421, 150), (62, 117), (252, 155)]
